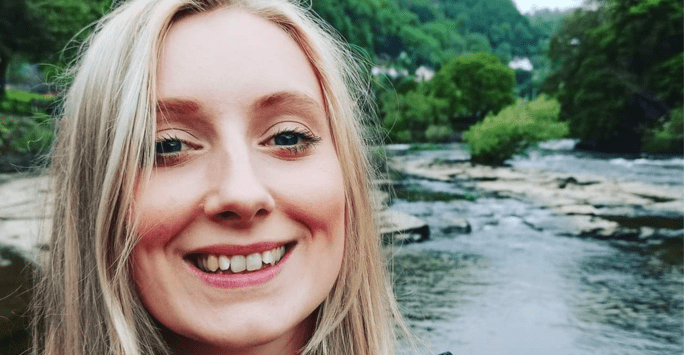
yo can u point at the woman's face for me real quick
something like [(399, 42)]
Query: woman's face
[(246, 171)]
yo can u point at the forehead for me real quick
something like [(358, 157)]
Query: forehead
[(230, 56)]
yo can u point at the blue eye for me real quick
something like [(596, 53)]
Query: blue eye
[(288, 138), (169, 146), (292, 142)]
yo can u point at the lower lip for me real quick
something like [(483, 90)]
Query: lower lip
[(233, 281)]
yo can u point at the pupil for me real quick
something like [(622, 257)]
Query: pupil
[(168, 147), (286, 139)]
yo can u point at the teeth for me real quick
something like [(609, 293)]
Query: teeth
[(212, 263), (224, 262), (253, 262), (240, 263), (267, 257)]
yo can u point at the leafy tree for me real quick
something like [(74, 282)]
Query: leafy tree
[(19, 30), (473, 85), (517, 127), (373, 26), (39, 29), (668, 137), (618, 70), (414, 116)]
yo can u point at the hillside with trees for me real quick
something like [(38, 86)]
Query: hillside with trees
[(411, 33)]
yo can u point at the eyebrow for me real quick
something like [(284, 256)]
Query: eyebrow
[(290, 101), (177, 107)]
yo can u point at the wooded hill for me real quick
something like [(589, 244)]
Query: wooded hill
[(411, 33)]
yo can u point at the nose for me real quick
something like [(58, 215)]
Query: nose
[(237, 193)]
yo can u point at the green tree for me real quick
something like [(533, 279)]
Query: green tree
[(474, 86), (39, 30), (20, 28), (617, 71), (414, 116), (517, 127)]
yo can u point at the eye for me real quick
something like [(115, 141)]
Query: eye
[(170, 150), (168, 146), (292, 142), (288, 138)]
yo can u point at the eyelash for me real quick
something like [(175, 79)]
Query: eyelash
[(170, 158), (307, 138)]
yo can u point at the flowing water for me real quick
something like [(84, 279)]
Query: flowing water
[(509, 288)]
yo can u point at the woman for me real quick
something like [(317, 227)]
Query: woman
[(212, 190)]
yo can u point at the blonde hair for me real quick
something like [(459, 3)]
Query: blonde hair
[(85, 302)]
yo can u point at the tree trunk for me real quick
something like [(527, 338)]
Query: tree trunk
[(4, 63)]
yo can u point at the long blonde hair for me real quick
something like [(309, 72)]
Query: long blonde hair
[(85, 302)]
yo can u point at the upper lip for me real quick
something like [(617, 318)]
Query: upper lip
[(233, 249)]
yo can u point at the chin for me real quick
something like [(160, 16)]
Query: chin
[(262, 337)]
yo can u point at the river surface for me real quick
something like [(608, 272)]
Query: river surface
[(509, 288)]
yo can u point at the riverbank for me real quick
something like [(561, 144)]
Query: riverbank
[(22, 200), (590, 205)]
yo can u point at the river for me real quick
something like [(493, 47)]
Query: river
[(511, 288)]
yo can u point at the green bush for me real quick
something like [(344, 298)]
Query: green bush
[(515, 128), (407, 117), (19, 134), (668, 138), (26, 103), (439, 133)]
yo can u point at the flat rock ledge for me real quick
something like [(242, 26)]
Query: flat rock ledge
[(398, 228), (589, 206), (23, 201)]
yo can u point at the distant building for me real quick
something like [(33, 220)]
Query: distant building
[(521, 64), (424, 73), (389, 71)]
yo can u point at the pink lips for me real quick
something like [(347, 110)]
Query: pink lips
[(233, 281)]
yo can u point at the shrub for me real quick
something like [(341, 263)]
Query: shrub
[(667, 138), (26, 103), (515, 128), (25, 134), (439, 133), (408, 116)]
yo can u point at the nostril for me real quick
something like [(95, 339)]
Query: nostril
[(228, 215), (261, 212)]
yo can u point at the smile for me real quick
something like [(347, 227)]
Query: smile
[(226, 264), (239, 266)]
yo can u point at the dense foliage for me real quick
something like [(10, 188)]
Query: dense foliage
[(515, 128), (410, 33), (473, 86), (39, 31), (618, 72), (25, 124), (463, 92), (668, 137)]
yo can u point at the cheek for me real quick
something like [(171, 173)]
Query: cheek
[(163, 209), (315, 196)]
